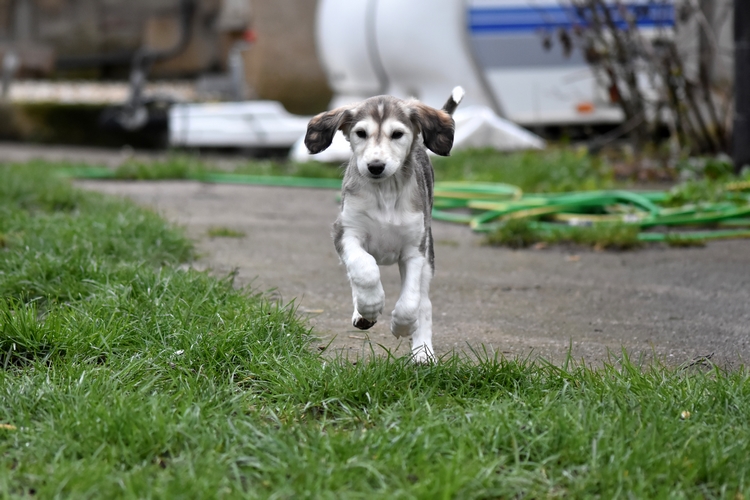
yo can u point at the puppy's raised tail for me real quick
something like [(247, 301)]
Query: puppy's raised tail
[(454, 100)]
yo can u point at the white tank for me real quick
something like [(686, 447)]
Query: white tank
[(425, 51), (345, 40), (414, 48)]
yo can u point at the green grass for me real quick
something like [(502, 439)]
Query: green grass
[(126, 376), (178, 166), (522, 233), (280, 168), (677, 241), (224, 232), (557, 169), (516, 233), (173, 167), (552, 170)]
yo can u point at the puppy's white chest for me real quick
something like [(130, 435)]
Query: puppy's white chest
[(387, 236), (384, 227)]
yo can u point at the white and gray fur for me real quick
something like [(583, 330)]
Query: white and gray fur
[(386, 205)]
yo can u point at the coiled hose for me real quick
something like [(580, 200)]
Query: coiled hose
[(487, 206)]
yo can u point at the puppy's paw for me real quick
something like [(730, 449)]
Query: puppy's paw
[(404, 319), (401, 328), (422, 355), (362, 323), (370, 304)]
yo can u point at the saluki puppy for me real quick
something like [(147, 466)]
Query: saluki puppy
[(386, 205)]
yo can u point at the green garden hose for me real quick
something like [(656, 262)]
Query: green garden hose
[(486, 206)]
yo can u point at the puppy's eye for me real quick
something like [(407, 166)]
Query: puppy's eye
[(361, 134), (397, 135)]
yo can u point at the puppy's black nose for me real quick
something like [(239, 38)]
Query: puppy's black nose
[(376, 167)]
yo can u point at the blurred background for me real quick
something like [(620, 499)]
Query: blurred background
[(247, 74), (78, 55)]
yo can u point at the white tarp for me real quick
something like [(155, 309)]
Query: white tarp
[(250, 124)]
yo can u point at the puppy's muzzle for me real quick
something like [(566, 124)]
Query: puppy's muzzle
[(376, 167)]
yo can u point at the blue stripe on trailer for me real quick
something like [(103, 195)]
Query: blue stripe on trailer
[(531, 19)]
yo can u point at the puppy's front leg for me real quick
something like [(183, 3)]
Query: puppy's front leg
[(364, 276), (405, 317)]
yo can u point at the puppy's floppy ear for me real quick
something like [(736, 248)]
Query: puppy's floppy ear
[(322, 127), (437, 128)]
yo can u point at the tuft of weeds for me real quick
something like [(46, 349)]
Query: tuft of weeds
[(224, 232), (599, 236), (285, 168), (701, 191), (713, 182), (515, 233), (522, 233), (173, 167), (710, 168), (677, 241)]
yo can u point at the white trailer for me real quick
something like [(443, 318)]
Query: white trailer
[(537, 85), (493, 48)]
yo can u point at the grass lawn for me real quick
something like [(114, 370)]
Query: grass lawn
[(552, 170), (125, 375), (555, 169)]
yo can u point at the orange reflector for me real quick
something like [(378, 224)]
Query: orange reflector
[(585, 107)]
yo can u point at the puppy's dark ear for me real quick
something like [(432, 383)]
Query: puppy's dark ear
[(437, 128), (321, 129)]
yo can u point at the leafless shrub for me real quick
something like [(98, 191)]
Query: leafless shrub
[(645, 73)]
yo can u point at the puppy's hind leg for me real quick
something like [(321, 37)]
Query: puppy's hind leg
[(421, 344), (405, 317)]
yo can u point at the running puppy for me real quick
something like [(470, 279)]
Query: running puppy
[(386, 205)]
